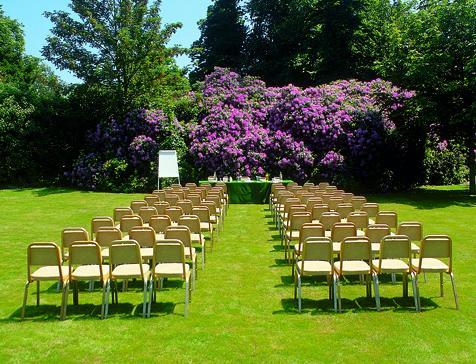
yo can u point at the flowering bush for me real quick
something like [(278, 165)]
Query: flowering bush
[(330, 131), (124, 152)]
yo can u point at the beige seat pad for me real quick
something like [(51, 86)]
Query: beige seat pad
[(90, 272), (50, 272)]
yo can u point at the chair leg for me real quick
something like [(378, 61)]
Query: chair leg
[(144, 303), (38, 293), (104, 287), (64, 301), (377, 294), (186, 297), (339, 298), (293, 261), (108, 289), (25, 298), (415, 294), (334, 293), (151, 294), (299, 292), (417, 290), (441, 284), (203, 257), (454, 290), (295, 287)]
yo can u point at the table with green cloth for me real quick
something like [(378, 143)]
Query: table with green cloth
[(256, 192)]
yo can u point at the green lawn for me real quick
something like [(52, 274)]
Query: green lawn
[(242, 309)]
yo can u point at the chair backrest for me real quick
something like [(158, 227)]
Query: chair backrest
[(342, 230), (192, 222), (182, 233), (144, 235), (299, 218), (395, 247), (376, 232), (347, 197), (330, 188), (174, 212), (318, 209), (295, 208), (169, 251), (317, 248), (290, 201), (387, 217), (326, 197), (371, 208), (172, 199), (125, 252), (161, 206), (214, 198), (186, 206), (311, 230), (195, 198), (334, 201), (323, 185), (120, 212), (130, 221), (412, 229), (85, 253), (72, 234), (338, 193), (180, 194), (307, 185), (355, 248), (190, 184), (305, 196), (106, 235), (160, 194), (328, 219), (437, 246), (211, 206), (160, 223), (359, 218), (313, 201), (44, 254), (357, 202), (137, 204), (282, 196), (344, 209), (146, 212), (99, 222), (203, 213), (151, 199)]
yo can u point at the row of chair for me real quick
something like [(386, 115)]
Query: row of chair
[(300, 217), (106, 254)]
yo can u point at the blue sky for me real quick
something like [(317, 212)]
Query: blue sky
[(36, 27)]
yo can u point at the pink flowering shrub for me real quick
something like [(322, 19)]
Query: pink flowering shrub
[(332, 131)]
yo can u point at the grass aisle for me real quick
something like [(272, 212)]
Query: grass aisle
[(242, 309)]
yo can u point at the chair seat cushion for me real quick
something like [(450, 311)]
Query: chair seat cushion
[(90, 272), (295, 235), (430, 265), (391, 265), (147, 253), (171, 269), (315, 267), (352, 267), (415, 248), (197, 238), (50, 272), (130, 271)]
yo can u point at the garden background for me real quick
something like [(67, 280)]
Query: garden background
[(369, 94)]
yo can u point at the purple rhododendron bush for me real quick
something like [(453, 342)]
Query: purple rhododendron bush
[(340, 131), (349, 132)]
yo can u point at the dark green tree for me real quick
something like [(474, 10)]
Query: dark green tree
[(118, 48), (221, 40)]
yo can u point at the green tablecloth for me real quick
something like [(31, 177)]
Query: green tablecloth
[(256, 192)]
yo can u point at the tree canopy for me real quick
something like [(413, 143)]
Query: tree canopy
[(118, 47)]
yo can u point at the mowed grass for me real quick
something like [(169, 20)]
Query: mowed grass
[(242, 309)]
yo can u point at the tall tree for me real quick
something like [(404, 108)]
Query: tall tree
[(221, 40), (118, 47)]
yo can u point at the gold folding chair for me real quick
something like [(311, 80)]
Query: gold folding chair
[(85, 264), (395, 258), (316, 260), (69, 236), (145, 212), (99, 222), (193, 223), (125, 263), (183, 234), (355, 252), (169, 262), (433, 249), (46, 258), (137, 204)]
